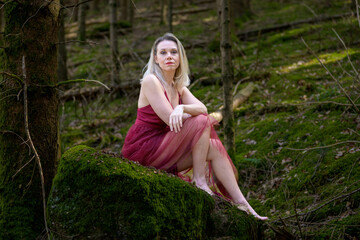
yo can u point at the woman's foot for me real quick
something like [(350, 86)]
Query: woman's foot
[(249, 210), (203, 186)]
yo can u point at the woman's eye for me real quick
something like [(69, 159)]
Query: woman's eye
[(162, 52), (174, 52)]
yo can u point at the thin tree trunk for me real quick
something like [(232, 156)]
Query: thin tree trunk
[(2, 24), (113, 43), (162, 12), (82, 23), (240, 8), (95, 5), (227, 76), (30, 55), (124, 10), (170, 8), (62, 58), (75, 14), (131, 12)]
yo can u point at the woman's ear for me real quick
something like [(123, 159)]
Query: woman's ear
[(156, 61)]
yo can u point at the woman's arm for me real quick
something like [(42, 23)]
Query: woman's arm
[(191, 104), (152, 91)]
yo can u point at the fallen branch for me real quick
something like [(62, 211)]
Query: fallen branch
[(240, 98), (251, 33), (328, 146)]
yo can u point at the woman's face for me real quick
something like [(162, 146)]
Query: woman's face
[(167, 55)]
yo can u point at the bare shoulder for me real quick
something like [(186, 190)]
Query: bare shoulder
[(150, 80)]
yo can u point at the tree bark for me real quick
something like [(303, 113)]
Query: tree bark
[(113, 43), (170, 10), (95, 5), (62, 55), (81, 23), (131, 13), (30, 33), (240, 8), (227, 76), (124, 10), (162, 12), (2, 23)]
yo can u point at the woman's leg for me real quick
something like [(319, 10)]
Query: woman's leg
[(224, 172)]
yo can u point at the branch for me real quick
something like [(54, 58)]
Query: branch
[(328, 146), (70, 41), (32, 145), (322, 102), (76, 5), (13, 76), (82, 80), (347, 53), (342, 89), (322, 205)]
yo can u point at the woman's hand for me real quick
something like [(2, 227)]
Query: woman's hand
[(176, 118)]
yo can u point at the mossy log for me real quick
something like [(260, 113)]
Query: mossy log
[(100, 196), (239, 98)]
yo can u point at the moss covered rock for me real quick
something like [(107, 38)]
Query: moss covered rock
[(99, 196)]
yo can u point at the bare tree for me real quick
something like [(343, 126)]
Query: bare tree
[(162, 12), (28, 116), (124, 9), (113, 43), (240, 8), (227, 77)]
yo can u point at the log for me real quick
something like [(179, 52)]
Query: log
[(239, 98)]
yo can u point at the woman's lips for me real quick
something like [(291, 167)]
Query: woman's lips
[(169, 63)]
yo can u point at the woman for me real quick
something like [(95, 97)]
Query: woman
[(173, 131)]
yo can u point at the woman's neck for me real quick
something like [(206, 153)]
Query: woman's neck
[(169, 77)]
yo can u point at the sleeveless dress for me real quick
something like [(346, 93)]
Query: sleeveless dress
[(151, 143)]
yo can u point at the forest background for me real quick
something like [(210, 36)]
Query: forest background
[(295, 67)]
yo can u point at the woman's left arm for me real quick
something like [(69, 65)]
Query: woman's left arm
[(191, 104)]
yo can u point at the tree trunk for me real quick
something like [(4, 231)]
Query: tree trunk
[(75, 13), (82, 23), (95, 5), (62, 58), (131, 12), (113, 43), (162, 12), (2, 23), (227, 76), (240, 8), (124, 10), (170, 8), (30, 35)]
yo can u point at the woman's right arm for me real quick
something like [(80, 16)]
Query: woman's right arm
[(153, 92)]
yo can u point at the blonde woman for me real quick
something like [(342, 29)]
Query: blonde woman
[(173, 131)]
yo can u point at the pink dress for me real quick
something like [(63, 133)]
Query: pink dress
[(151, 143)]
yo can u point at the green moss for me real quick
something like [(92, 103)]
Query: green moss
[(102, 196)]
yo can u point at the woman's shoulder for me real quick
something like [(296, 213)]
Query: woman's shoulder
[(150, 79)]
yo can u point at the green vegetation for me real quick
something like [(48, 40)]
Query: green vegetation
[(105, 197), (291, 108)]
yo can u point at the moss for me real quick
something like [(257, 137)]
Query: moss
[(105, 197)]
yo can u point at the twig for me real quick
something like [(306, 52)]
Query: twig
[(82, 80), (13, 76), (342, 89), (347, 53), (70, 41), (238, 83), (42, 5), (76, 5), (23, 141), (328, 146), (19, 170), (322, 205), (297, 220), (322, 102), (32, 144), (352, 130)]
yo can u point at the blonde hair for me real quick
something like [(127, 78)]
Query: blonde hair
[(181, 77)]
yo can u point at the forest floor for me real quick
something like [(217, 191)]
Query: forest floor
[(297, 136)]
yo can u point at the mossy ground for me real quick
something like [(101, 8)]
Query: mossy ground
[(277, 118)]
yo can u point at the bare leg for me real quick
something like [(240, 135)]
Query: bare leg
[(224, 172), (199, 156)]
